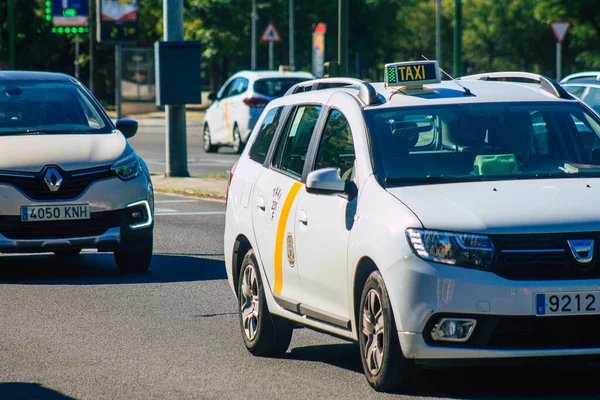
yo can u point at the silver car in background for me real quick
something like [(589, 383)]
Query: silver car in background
[(69, 179)]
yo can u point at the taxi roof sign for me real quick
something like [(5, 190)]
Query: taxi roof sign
[(412, 74)]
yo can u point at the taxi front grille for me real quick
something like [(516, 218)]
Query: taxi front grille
[(543, 257), (73, 184)]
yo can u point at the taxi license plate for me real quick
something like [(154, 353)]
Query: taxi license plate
[(55, 212), (567, 303)]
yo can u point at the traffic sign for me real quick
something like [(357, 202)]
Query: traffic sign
[(270, 34), (559, 29), (68, 14)]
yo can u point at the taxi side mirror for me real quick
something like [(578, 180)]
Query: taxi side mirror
[(128, 127), (325, 181)]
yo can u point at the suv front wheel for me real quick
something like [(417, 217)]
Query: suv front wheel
[(136, 260), (264, 334)]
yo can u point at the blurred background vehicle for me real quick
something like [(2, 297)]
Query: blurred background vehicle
[(586, 86), (237, 105)]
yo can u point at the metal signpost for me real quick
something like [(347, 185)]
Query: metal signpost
[(270, 35), (559, 29), (318, 68), (69, 17), (117, 24)]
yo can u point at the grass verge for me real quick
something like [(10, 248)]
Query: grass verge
[(191, 193)]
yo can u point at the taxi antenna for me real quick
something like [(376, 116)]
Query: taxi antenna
[(465, 89)]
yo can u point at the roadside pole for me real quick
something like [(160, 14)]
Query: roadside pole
[(292, 59), (118, 77), (76, 56), (253, 39), (176, 141), (92, 38), (438, 31), (343, 37), (11, 34), (457, 69), (271, 56)]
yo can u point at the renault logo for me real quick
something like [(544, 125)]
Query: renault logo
[(53, 179), (582, 250)]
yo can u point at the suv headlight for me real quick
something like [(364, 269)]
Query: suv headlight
[(127, 167), (460, 249)]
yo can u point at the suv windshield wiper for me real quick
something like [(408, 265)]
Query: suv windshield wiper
[(40, 132)]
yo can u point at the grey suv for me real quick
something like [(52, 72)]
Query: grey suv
[(69, 180)]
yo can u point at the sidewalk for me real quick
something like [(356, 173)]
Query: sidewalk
[(196, 187)]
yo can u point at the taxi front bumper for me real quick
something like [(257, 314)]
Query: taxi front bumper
[(424, 293)]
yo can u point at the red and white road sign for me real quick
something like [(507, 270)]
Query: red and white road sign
[(270, 34), (560, 28)]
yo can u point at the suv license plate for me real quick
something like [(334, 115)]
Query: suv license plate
[(567, 303), (55, 212)]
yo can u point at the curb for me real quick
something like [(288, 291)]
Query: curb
[(191, 193)]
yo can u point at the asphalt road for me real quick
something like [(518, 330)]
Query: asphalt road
[(149, 142), (76, 328)]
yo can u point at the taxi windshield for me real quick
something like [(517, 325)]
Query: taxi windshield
[(495, 141), (41, 107)]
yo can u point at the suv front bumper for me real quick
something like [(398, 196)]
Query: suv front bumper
[(121, 214)]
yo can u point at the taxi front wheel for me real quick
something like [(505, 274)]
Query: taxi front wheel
[(385, 367), (264, 334)]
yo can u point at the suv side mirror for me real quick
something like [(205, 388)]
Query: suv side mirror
[(212, 96), (325, 181), (128, 127)]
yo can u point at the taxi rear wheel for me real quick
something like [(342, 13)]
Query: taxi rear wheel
[(238, 146), (136, 260), (206, 141), (384, 366), (264, 334)]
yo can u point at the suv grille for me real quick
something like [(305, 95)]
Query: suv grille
[(99, 222), (543, 257), (73, 184)]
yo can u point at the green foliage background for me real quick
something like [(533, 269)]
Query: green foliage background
[(497, 35)]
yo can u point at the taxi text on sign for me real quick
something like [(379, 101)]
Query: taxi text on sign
[(270, 34), (411, 73)]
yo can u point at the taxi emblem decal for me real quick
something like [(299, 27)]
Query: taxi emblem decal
[(291, 254), (53, 179), (582, 250)]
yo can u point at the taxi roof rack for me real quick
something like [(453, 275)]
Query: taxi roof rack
[(546, 83), (366, 92)]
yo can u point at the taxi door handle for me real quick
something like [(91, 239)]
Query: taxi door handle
[(302, 217), (260, 203)]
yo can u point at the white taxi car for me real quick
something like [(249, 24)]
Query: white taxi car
[(433, 222), (238, 104)]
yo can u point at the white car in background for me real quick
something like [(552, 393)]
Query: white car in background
[(240, 101)]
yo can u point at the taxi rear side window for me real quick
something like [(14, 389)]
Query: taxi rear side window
[(265, 135), (293, 147)]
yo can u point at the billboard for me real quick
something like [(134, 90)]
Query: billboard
[(118, 21), (67, 16), (318, 50)]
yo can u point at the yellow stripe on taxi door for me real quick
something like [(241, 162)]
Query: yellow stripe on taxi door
[(226, 116), (283, 218)]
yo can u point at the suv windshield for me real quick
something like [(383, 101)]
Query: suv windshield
[(38, 107), (275, 87), (496, 141)]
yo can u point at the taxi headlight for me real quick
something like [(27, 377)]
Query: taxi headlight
[(127, 167), (460, 249)]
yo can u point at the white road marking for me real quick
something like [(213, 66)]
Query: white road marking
[(192, 213), (164, 210)]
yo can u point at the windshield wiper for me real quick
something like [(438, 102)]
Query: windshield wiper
[(429, 179)]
